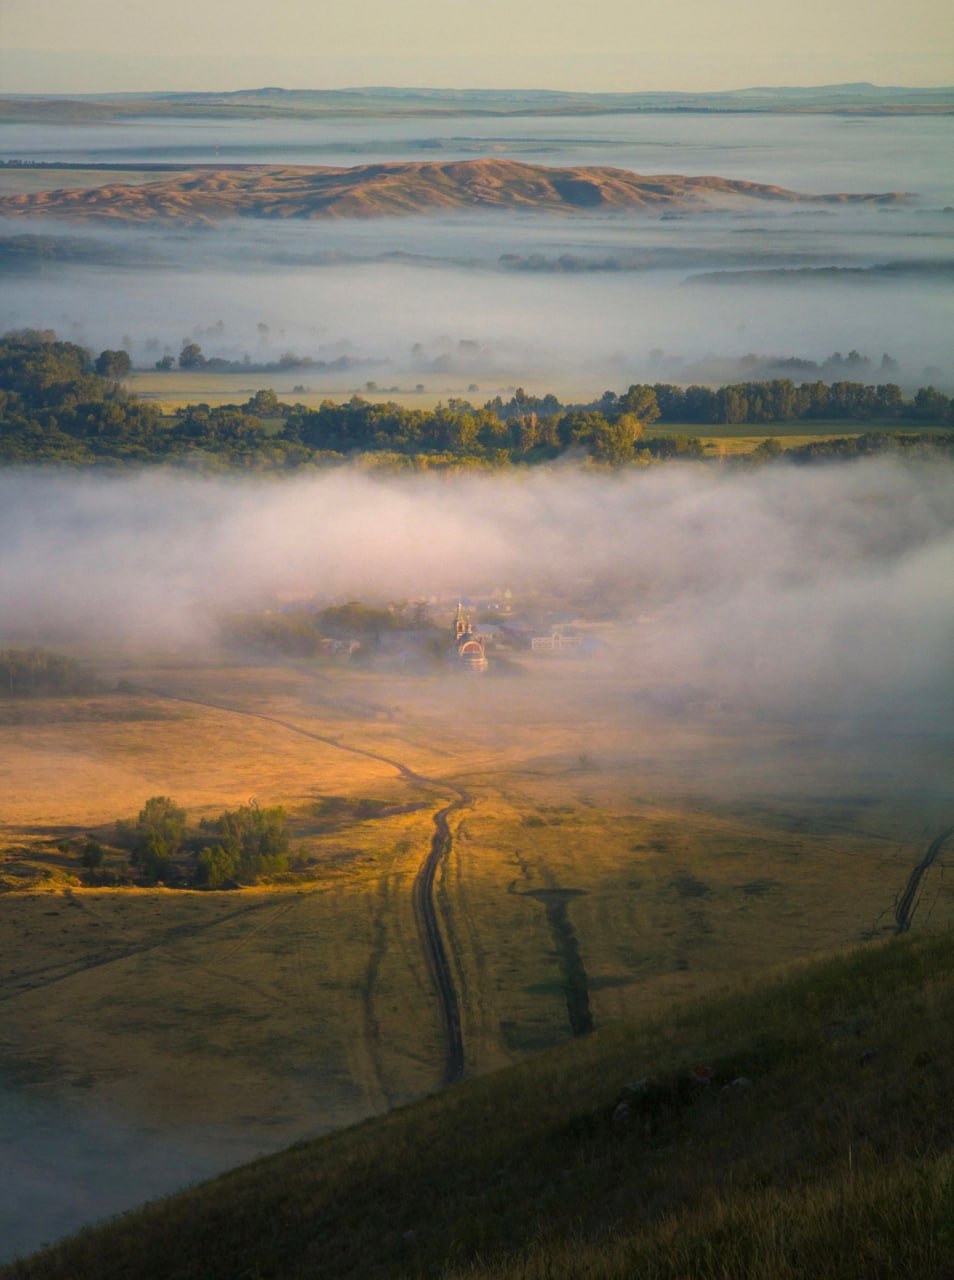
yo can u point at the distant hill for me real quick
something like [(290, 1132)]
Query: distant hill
[(384, 100), (421, 187), (803, 1129)]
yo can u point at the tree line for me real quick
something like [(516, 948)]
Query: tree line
[(37, 672), (60, 404)]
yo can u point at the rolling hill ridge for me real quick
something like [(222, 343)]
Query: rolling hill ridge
[(201, 196)]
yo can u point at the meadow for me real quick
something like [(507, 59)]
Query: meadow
[(598, 870), (177, 389)]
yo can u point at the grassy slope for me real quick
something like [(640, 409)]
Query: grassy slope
[(836, 1160)]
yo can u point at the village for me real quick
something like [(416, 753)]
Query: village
[(475, 634)]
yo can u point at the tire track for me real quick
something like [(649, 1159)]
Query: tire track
[(402, 769), (372, 1028), (425, 909), (432, 942), (909, 899), (278, 911), (177, 934)]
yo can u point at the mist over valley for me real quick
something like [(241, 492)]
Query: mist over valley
[(362, 741), (508, 300)]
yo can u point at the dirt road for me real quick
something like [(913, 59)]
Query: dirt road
[(425, 910), (908, 901), (425, 907)]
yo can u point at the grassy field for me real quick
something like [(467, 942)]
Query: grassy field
[(176, 389), (608, 863), (718, 439), (821, 1146)]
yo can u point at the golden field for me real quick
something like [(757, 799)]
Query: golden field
[(604, 856)]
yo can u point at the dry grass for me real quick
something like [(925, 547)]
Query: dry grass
[(253, 1006), (285, 1010), (398, 189), (177, 388), (14, 180), (834, 1160)]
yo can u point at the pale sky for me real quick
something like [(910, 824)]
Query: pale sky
[(118, 45)]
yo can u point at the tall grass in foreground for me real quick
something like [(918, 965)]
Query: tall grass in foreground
[(862, 1223), (834, 1161)]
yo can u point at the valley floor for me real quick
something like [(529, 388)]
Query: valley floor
[(608, 862)]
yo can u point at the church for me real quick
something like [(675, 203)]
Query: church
[(470, 651)]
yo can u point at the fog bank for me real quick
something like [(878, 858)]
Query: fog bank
[(779, 588), (497, 301)]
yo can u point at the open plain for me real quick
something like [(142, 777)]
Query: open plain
[(604, 863)]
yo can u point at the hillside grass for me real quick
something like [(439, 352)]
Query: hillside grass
[(285, 1009), (833, 1160)]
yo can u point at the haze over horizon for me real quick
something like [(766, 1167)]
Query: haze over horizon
[(62, 47)]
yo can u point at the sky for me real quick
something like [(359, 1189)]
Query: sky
[(73, 46)]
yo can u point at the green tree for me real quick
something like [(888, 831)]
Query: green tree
[(214, 867), (157, 837), (640, 400), (264, 404), (191, 357), (931, 405), (767, 450), (113, 364), (92, 855), (615, 442), (254, 839)]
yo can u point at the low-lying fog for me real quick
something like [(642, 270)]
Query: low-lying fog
[(815, 597), (818, 594), (783, 590), (575, 304), (806, 152), (584, 303), (811, 602), (66, 1164)]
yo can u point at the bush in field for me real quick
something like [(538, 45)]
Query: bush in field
[(156, 838), (92, 855), (251, 842), (238, 846), (215, 867)]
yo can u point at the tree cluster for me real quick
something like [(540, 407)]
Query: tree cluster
[(36, 672), (56, 405), (59, 405), (244, 845), (780, 400), (240, 846)]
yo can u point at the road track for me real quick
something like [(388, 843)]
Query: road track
[(425, 911), (48, 975), (423, 901), (910, 897)]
